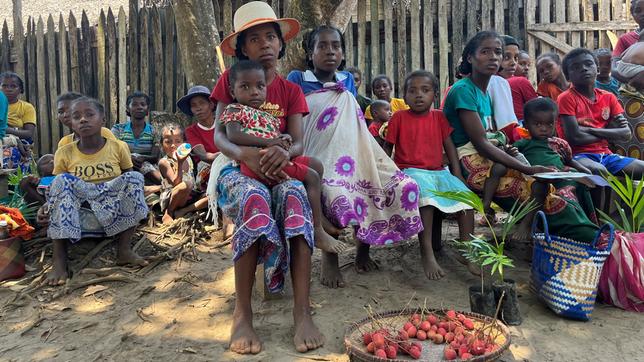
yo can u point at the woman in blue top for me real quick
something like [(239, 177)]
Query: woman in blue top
[(361, 185), (468, 109)]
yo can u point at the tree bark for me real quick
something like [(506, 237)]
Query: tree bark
[(197, 37), (310, 14)]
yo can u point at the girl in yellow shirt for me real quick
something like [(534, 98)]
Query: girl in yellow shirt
[(21, 120), (381, 86), (95, 192)]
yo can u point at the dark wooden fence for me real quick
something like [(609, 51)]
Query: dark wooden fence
[(137, 48)]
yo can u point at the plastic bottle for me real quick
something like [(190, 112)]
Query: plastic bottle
[(183, 150), (4, 229)]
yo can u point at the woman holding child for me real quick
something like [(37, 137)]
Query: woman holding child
[(468, 110), (266, 218)]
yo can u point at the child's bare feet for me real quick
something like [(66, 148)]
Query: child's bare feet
[(243, 338), (129, 257), (59, 273), (330, 228), (307, 336), (433, 271), (167, 218), (363, 262), (328, 243), (330, 275)]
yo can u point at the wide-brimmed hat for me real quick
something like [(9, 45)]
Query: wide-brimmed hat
[(184, 103), (256, 13)]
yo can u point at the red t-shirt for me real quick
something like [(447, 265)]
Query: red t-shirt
[(374, 128), (283, 98), (595, 114), (418, 139), (624, 42), (197, 135), (522, 92)]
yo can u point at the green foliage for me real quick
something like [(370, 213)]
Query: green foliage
[(479, 251), (15, 199), (633, 197)]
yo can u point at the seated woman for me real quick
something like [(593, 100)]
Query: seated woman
[(21, 124), (468, 110), (94, 192)]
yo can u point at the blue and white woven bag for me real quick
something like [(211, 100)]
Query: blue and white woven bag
[(565, 273)]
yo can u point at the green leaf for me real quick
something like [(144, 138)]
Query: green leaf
[(622, 214), (604, 218)]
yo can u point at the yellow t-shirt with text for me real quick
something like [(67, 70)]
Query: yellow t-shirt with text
[(105, 132), (20, 113), (102, 166), (397, 104)]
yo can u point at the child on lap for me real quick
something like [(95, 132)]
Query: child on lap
[(420, 135), (246, 125), (590, 118)]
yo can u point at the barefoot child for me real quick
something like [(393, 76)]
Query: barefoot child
[(544, 149), (381, 86), (553, 82), (381, 113), (247, 125), (178, 180), (93, 179), (420, 135)]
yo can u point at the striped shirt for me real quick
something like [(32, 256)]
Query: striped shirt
[(142, 145)]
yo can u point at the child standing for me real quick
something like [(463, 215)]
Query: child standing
[(178, 179), (381, 86), (523, 67), (604, 80), (591, 117), (247, 125), (553, 82), (420, 135), (381, 113)]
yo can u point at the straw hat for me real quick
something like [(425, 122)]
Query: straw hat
[(256, 13)]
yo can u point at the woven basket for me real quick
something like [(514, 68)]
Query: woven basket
[(357, 351), (565, 273)]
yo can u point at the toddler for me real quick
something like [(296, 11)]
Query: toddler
[(381, 113), (247, 125)]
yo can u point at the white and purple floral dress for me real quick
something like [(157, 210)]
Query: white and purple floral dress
[(361, 185)]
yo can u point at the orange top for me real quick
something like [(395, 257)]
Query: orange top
[(550, 90)]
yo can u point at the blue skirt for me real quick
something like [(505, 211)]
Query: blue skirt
[(442, 180)]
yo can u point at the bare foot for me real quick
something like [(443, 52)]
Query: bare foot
[(330, 228), (167, 219), (473, 269), (58, 275), (330, 275), (229, 230), (129, 257), (307, 336), (243, 338), (327, 243), (363, 262), (433, 271), (153, 189), (180, 213)]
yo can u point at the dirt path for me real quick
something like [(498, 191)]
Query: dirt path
[(181, 311)]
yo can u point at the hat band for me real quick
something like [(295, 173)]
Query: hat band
[(250, 23)]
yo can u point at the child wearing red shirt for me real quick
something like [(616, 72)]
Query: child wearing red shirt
[(420, 135), (591, 117), (381, 113)]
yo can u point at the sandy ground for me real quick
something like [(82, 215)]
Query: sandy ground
[(181, 311)]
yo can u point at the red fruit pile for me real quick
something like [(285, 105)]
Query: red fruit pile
[(383, 344)]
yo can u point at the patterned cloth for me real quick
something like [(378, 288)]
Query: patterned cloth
[(634, 112), (269, 217), (254, 122), (12, 157), (361, 185), (430, 181), (118, 204)]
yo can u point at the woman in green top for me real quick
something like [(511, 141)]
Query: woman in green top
[(469, 111)]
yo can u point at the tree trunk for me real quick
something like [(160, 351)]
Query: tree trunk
[(311, 14), (197, 37)]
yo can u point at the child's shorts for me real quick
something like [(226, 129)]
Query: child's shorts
[(613, 163), (298, 169)]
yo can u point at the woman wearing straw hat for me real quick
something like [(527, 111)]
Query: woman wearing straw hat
[(265, 219)]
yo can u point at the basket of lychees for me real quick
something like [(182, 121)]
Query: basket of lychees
[(427, 335)]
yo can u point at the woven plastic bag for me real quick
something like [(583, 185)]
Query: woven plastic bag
[(565, 273), (622, 280)]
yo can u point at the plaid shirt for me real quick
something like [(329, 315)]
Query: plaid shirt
[(142, 145)]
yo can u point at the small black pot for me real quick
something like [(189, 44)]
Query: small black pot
[(482, 303), (509, 312)]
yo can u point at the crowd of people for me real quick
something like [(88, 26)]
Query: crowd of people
[(291, 161)]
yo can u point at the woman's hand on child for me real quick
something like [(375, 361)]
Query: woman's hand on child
[(252, 158), (540, 169), (273, 160), (512, 151), (42, 216)]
